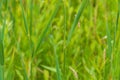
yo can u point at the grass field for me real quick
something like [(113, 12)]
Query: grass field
[(59, 40)]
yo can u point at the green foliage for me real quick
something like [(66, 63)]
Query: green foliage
[(48, 25), (84, 3), (59, 40)]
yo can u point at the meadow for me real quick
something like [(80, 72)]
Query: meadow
[(59, 40)]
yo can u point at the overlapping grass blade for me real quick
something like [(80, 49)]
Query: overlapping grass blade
[(30, 40), (22, 62), (1, 73), (2, 28), (31, 10), (56, 59), (109, 44), (2, 51), (116, 27), (6, 4), (27, 35), (25, 20), (24, 69), (64, 48), (49, 68), (119, 6), (116, 48), (82, 7), (48, 26), (108, 65), (1, 43), (1, 60), (57, 64), (1, 9)]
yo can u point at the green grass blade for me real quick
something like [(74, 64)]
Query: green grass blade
[(1, 8), (30, 28), (82, 7), (116, 27), (1, 44), (31, 10), (48, 26), (57, 64), (1, 72), (64, 48), (28, 32), (2, 51), (1, 54), (30, 40), (116, 47), (109, 44), (49, 68), (119, 6), (56, 58), (108, 65), (24, 18), (22, 62), (1, 61), (24, 69), (6, 4)]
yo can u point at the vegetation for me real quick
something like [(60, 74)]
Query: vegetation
[(59, 40)]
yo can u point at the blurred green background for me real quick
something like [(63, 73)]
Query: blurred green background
[(92, 53)]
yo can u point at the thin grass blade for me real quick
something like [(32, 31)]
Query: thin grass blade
[(116, 26), (116, 47), (31, 10), (82, 7), (108, 65), (56, 58), (24, 69), (1, 61), (2, 51), (48, 26), (57, 64), (24, 18), (64, 48)]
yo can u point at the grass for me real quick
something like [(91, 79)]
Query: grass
[(84, 3), (75, 22), (108, 53), (115, 47), (64, 48), (56, 59), (2, 29), (2, 51), (59, 40), (2, 58), (48, 25), (109, 67), (28, 34)]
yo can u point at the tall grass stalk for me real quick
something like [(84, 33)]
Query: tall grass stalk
[(28, 34), (56, 58), (2, 43), (64, 48), (24, 18), (24, 69), (116, 26), (108, 65), (116, 55), (46, 29), (2, 50), (30, 40), (2, 29), (31, 14), (57, 64), (82, 7)]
